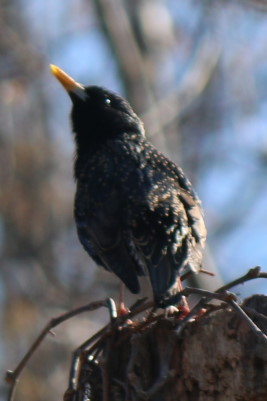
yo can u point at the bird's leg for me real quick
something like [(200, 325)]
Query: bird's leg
[(179, 302), (122, 310), (184, 307)]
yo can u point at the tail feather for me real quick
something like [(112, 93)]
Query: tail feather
[(163, 278)]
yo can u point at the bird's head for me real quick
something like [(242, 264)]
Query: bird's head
[(97, 113)]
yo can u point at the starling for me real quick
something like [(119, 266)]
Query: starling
[(136, 213)]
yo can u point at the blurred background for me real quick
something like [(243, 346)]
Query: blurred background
[(196, 71)]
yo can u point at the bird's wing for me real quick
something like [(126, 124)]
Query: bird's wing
[(187, 203), (101, 234), (192, 206), (161, 235), (169, 230)]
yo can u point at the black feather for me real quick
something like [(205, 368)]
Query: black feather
[(136, 212)]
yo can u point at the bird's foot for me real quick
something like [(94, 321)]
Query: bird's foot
[(184, 311), (183, 308), (122, 309), (170, 310)]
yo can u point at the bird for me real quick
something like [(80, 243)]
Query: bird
[(136, 212)]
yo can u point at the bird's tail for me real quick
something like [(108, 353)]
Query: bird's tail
[(163, 280)]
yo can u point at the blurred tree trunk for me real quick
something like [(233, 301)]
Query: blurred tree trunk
[(217, 357), (27, 155)]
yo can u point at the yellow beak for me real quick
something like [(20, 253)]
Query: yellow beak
[(67, 82)]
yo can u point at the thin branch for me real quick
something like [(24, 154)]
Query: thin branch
[(13, 376), (250, 275), (98, 341), (175, 105), (247, 319)]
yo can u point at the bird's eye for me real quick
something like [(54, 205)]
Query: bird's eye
[(107, 101)]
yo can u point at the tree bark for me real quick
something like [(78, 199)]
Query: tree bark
[(216, 357)]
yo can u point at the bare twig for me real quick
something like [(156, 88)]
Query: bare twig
[(250, 275), (97, 343), (173, 106), (13, 376), (190, 272), (119, 33), (247, 319)]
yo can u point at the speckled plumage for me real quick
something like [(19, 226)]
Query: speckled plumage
[(136, 212)]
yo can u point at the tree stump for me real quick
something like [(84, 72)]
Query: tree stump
[(216, 357)]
